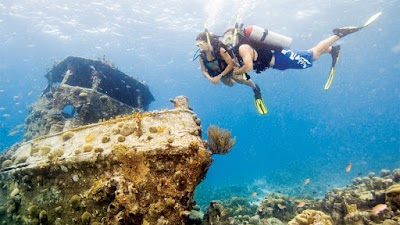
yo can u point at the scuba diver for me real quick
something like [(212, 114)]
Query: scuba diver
[(258, 56), (259, 49), (216, 64)]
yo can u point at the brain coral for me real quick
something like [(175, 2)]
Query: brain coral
[(311, 217)]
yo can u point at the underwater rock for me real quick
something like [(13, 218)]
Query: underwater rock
[(82, 91), (146, 179)]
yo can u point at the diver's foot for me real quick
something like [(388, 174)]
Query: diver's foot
[(257, 92), (335, 52), (343, 31), (246, 76)]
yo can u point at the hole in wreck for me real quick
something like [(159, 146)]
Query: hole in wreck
[(68, 111)]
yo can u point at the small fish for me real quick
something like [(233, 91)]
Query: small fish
[(13, 132), (378, 208), (254, 194), (301, 204), (306, 181), (280, 206), (348, 167)]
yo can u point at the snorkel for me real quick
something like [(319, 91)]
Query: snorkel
[(207, 35), (235, 31), (230, 41)]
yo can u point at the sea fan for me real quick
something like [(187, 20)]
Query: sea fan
[(219, 140)]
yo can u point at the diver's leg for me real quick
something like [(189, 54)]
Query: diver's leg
[(228, 81), (324, 46), (241, 80), (249, 82)]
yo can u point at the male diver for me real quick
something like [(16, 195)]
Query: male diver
[(259, 54)]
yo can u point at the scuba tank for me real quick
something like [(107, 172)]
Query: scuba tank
[(266, 36)]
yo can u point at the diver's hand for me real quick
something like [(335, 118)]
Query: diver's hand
[(215, 79), (235, 70)]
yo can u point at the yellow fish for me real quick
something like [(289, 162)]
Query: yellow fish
[(378, 208), (301, 204)]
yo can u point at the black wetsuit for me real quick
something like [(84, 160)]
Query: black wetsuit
[(264, 54)]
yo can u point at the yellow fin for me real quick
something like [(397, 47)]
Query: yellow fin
[(330, 78), (331, 73), (260, 105), (372, 19)]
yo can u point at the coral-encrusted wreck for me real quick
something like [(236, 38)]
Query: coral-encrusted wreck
[(137, 168), (82, 91)]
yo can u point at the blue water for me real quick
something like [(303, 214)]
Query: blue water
[(308, 133)]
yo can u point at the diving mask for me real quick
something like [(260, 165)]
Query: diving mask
[(229, 39)]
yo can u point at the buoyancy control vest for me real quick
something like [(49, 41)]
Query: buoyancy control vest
[(216, 45)]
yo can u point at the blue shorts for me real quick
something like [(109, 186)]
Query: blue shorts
[(288, 59)]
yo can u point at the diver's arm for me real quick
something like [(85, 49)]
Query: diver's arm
[(205, 73), (228, 60), (204, 70), (246, 52)]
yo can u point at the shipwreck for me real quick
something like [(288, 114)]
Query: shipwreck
[(92, 154)]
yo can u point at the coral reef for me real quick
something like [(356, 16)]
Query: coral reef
[(369, 200), (87, 175), (216, 214), (353, 204), (393, 196), (283, 207), (219, 140), (196, 216), (239, 206)]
